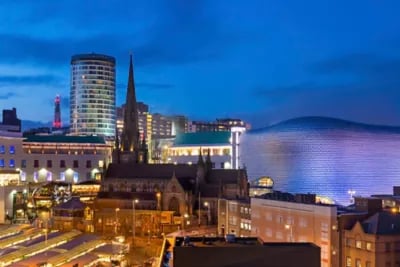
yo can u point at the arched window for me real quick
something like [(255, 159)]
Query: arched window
[(174, 206)]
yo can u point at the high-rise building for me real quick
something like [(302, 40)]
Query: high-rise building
[(92, 97)]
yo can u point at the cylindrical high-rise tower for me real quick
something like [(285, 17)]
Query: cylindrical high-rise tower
[(92, 98)]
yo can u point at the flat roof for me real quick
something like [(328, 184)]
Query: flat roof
[(92, 56), (64, 139), (200, 138)]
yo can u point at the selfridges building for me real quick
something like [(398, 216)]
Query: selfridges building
[(333, 158)]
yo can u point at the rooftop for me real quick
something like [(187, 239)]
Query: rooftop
[(65, 139), (202, 138)]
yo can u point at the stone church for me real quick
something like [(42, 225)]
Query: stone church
[(166, 193)]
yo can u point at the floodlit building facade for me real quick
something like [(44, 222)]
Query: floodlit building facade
[(284, 220)]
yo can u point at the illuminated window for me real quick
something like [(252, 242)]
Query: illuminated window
[(12, 149), (76, 177), (2, 149), (62, 176), (358, 263), (368, 246), (12, 163), (1, 163), (23, 163), (348, 261), (358, 244)]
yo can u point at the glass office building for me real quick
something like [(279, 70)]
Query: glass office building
[(333, 158), (92, 96)]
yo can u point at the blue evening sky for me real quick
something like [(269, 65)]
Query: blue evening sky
[(260, 60)]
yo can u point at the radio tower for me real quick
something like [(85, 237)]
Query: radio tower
[(57, 113)]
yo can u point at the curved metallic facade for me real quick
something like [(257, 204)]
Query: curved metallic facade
[(92, 95), (330, 157)]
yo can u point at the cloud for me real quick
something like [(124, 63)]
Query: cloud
[(8, 95), (371, 95), (27, 79)]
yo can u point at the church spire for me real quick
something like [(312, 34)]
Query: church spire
[(130, 133)]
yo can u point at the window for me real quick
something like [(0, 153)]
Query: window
[(89, 164), (368, 246), (222, 165), (348, 261), (23, 163), (76, 164), (358, 263), (1, 163), (12, 149), (36, 163), (12, 163), (348, 242), (2, 149), (358, 244), (62, 163), (387, 247), (49, 164)]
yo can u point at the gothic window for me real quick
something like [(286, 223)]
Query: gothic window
[(174, 206)]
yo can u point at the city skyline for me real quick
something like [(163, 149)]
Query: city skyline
[(262, 62)]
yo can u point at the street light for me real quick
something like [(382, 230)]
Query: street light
[(185, 217), (116, 220), (208, 212), (158, 195), (351, 192), (290, 227), (134, 201)]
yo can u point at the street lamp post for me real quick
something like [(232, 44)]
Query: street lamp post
[(290, 228), (185, 217), (116, 221), (208, 212), (134, 201), (351, 192)]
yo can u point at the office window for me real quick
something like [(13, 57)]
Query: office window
[(62, 163), (36, 163), (358, 244), (12, 163), (1, 163), (2, 149), (76, 164), (358, 263), (23, 163), (88, 164), (49, 164), (348, 261), (12, 149)]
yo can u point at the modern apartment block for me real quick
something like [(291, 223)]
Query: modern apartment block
[(92, 95)]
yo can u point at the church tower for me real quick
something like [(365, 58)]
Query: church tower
[(129, 143)]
